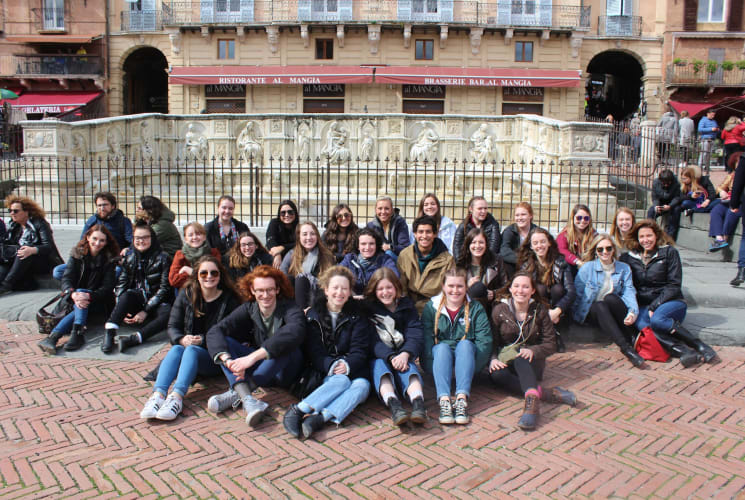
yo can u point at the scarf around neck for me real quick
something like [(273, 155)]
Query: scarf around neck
[(193, 254)]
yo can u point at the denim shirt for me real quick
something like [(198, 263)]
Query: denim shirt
[(589, 281)]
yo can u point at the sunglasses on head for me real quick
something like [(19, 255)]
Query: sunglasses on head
[(212, 272), (286, 213), (580, 218), (604, 249)]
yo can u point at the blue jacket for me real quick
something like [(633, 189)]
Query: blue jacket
[(362, 276), (399, 232), (590, 279), (119, 226), (705, 127)]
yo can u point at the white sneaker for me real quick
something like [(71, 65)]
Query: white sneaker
[(152, 406), (221, 402), (170, 409)]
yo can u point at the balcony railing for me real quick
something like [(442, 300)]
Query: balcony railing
[(507, 13), (620, 26), (142, 20), (698, 74), (58, 64)]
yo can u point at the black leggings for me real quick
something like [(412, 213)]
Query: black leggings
[(132, 302), (520, 375), (608, 314), (303, 291), (20, 273), (553, 294)]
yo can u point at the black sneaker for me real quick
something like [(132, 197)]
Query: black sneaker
[(398, 414), (312, 423), (293, 421), (446, 412), (418, 411)]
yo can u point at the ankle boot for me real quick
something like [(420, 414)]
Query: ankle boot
[(706, 351), (688, 357), (529, 419), (740, 278), (76, 340), (633, 356), (418, 411), (560, 346), (398, 414), (49, 344), (128, 341), (108, 341)]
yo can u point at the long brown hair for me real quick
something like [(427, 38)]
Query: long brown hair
[(470, 207), (632, 242), (333, 229), (383, 273), (326, 259), (236, 259), (438, 216), (615, 232), (578, 242), (527, 260), (504, 292), (194, 291), (110, 251), (694, 174)]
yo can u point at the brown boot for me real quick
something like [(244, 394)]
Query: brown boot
[(529, 419)]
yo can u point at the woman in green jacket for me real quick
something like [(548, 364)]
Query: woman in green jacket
[(457, 339)]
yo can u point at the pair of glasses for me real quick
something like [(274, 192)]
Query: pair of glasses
[(14, 210), (264, 291), (214, 273), (248, 245), (142, 238), (343, 216), (286, 213), (581, 218), (604, 249)]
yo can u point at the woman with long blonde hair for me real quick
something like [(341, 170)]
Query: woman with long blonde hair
[(574, 240)]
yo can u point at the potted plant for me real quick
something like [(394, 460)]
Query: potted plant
[(697, 65), (679, 62), (712, 67), (740, 64), (728, 65)]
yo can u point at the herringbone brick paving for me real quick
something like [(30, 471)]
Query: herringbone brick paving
[(71, 428)]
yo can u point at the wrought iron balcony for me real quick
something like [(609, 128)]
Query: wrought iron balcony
[(699, 74), (58, 64), (142, 20), (619, 25), (504, 14)]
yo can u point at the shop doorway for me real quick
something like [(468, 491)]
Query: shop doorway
[(145, 82), (614, 85)]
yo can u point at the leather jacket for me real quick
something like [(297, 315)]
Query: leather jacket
[(149, 269), (658, 281)]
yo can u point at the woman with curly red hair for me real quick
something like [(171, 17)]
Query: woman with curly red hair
[(258, 345)]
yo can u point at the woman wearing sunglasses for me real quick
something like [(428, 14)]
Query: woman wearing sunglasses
[(207, 297), (606, 297), (340, 233), (280, 233), (574, 240)]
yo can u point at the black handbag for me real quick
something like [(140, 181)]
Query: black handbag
[(309, 380), (8, 253), (48, 320)]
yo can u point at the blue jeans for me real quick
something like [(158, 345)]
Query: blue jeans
[(400, 379), (741, 253), (691, 205), (663, 317), (723, 221), (463, 357), (336, 397), (77, 316), (59, 271), (183, 364), (280, 371)]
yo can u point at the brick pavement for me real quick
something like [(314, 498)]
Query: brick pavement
[(71, 428)]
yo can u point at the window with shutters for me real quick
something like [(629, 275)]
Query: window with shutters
[(711, 11), (524, 51), (226, 49), (324, 48), (618, 19), (525, 12), (424, 50)]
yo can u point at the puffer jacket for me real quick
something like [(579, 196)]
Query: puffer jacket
[(407, 322), (152, 268), (562, 274), (361, 275), (491, 229), (451, 332), (539, 337), (399, 236), (660, 280), (118, 225), (41, 238), (97, 274), (511, 243), (589, 281), (349, 342), (181, 320), (168, 236)]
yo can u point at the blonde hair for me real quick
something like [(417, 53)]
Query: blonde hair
[(325, 258), (592, 249), (454, 272), (198, 228), (579, 242)]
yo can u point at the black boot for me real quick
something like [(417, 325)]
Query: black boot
[(705, 350), (108, 341), (76, 340), (127, 341), (676, 348), (560, 347), (633, 356), (740, 278), (418, 411), (49, 344), (398, 414)]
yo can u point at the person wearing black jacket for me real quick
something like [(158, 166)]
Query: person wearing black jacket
[(280, 233), (207, 297), (28, 247), (246, 254), (478, 217), (486, 272), (223, 230), (337, 346), (397, 342), (737, 204), (665, 199), (658, 275), (88, 282), (514, 235), (391, 226), (142, 291), (258, 345)]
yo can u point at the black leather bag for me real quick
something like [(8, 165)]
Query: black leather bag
[(8, 253), (48, 320), (309, 380)]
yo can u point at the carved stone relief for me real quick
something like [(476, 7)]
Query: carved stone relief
[(195, 142), (483, 145), (335, 147), (250, 143), (425, 146)]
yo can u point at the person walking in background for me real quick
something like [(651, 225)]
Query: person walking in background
[(733, 138), (686, 134), (708, 130)]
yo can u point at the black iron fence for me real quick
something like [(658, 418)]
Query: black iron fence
[(191, 188), (58, 64)]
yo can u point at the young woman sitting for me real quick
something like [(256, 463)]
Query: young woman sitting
[(515, 234), (89, 282), (698, 193), (195, 247), (486, 272), (337, 345), (478, 218), (457, 340), (340, 233), (576, 236), (396, 346), (430, 205), (304, 263), (623, 221), (369, 258), (208, 296), (160, 218), (258, 345), (245, 255), (391, 226), (280, 233), (523, 339)]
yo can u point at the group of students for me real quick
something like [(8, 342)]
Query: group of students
[(326, 316)]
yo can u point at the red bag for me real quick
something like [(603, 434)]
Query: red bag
[(649, 347)]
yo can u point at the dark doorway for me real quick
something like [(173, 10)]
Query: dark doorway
[(145, 82), (614, 86)]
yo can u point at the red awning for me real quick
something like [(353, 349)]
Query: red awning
[(52, 102), (479, 77), (269, 75), (693, 108), (51, 38)]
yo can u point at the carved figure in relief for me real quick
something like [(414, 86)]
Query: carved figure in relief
[(249, 143), (195, 143), (147, 145), (303, 145), (336, 149), (484, 147), (425, 145), (366, 146)]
